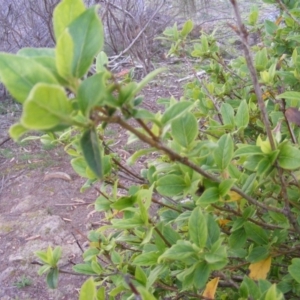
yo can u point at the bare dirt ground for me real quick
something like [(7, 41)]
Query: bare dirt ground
[(40, 208)]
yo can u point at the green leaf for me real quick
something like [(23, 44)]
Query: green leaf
[(52, 278), (145, 294), (180, 251), (242, 115), (289, 157), (16, 131), (171, 185), (85, 269), (225, 186), (56, 255), (20, 74), (79, 165), (91, 151), (101, 62), (247, 150), (210, 195), (201, 275), (91, 92), (185, 129), (270, 27), (213, 231), (36, 52), (187, 28), (237, 239), (256, 233), (47, 106), (140, 275), (291, 95), (198, 228), (258, 254), (146, 259), (294, 269), (224, 152), (87, 34), (64, 55), (101, 293), (273, 294), (253, 17), (124, 202), (154, 274), (44, 269), (127, 223), (261, 59), (175, 111), (227, 113), (64, 13), (88, 290)]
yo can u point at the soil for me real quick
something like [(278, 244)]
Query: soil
[(41, 204)]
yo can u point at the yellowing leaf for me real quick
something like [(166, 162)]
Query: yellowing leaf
[(223, 222), (260, 269), (234, 196), (266, 95), (210, 288)]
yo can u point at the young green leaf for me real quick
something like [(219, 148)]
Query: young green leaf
[(16, 131), (20, 74), (289, 157), (187, 28), (180, 251), (198, 228), (64, 54), (101, 62), (91, 92), (64, 13), (88, 290), (185, 129), (47, 106), (91, 151), (85, 269)]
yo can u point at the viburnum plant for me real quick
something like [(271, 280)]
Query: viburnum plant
[(216, 212)]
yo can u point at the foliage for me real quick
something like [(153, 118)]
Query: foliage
[(220, 197)]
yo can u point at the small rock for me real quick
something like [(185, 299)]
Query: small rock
[(24, 205), (16, 258)]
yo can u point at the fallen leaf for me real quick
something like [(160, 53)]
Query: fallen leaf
[(260, 269), (58, 175), (210, 288), (293, 115)]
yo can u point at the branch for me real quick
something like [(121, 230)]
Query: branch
[(242, 31)]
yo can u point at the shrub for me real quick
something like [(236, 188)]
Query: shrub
[(215, 214)]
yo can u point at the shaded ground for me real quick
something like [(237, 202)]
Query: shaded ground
[(41, 204)]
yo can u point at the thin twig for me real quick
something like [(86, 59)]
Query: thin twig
[(242, 31)]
